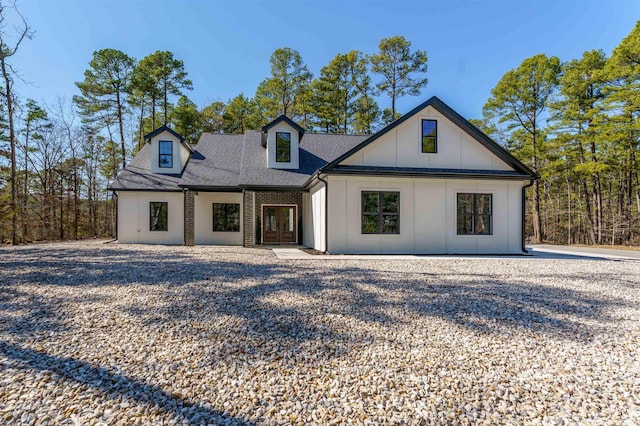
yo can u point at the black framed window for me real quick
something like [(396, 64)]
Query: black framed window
[(226, 217), (380, 212), (283, 147), (475, 214), (166, 155), (158, 216), (429, 136)]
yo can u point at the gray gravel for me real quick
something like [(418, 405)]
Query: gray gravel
[(126, 334)]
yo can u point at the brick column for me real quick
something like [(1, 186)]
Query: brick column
[(247, 220), (189, 220)]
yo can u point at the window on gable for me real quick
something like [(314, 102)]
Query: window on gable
[(475, 214), (429, 136), (380, 212), (226, 217), (166, 154), (158, 212), (283, 147)]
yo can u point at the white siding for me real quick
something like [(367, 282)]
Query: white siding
[(428, 217), (401, 147), (180, 154), (314, 205), (271, 147), (203, 208), (134, 217)]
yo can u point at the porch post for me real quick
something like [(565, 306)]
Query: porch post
[(189, 221)]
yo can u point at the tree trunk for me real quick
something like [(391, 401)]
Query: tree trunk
[(122, 147), (12, 141), (25, 200)]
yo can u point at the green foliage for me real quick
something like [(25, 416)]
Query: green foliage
[(211, 116), (105, 83), (399, 68), (187, 120), (240, 115), (285, 90), (159, 75), (343, 94)]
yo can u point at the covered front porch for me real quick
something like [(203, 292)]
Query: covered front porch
[(247, 218)]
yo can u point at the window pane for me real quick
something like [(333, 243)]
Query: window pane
[(165, 158), (283, 147), (390, 202), (369, 223), (428, 144), (166, 147), (465, 224), (429, 135), (226, 217), (483, 224), (483, 203), (389, 223), (270, 220), (465, 203), (158, 220), (370, 202)]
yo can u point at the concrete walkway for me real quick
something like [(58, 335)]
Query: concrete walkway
[(540, 251), (598, 252)]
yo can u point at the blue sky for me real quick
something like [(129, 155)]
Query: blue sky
[(226, 45)]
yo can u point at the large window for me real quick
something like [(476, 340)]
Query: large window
[(226, 217), (166, 155), (158, 212), (429, 136), (474, 214), (283, 147), (380, 212)]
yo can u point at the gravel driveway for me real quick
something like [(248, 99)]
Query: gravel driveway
[(127, 334)]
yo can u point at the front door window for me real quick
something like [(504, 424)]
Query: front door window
[(279, 224)]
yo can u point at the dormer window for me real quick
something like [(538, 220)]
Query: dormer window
[(429, 136), (283, 147), (165, 160)]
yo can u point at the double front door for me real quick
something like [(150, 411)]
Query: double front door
[(278, 224)]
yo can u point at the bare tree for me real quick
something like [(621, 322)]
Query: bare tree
[(8, 48)]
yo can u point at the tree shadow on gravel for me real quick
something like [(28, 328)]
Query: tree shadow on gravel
[(115, 385), (261, 308)]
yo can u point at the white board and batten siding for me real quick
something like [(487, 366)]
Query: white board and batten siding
[(428, 206), (180, 154), (203, 211), (134, 217), (314, 205), (428, 217), (401, 147)]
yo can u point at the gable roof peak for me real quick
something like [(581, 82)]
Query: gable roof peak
[(287, 120), (163, 128), (454, 117)]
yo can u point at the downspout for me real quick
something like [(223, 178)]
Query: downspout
[(115, 197), (524, 237), (326, 213), (184, 216)]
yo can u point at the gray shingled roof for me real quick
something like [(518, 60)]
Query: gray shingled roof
[(234, 161), (215, 162), (316, 150), (137, 176)]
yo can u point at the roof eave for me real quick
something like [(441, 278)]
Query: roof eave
[(421, 174)]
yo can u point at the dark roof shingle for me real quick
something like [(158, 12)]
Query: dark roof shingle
[(137, 176)]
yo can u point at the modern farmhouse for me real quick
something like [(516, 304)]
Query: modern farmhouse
[(430, 182)]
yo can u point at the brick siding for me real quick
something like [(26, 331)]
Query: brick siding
[(253, 214), (189, 220)]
